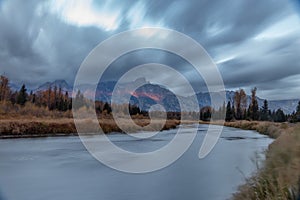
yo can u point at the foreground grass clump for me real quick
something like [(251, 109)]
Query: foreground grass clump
[(279, 178)]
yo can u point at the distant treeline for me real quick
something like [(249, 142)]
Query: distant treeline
[(238, 109), (54, 99)]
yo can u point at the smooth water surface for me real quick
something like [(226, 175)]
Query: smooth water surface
[(61, 169)]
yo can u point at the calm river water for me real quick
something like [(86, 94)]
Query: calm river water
[(61, 169)]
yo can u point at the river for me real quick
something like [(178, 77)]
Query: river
[(60, 168)]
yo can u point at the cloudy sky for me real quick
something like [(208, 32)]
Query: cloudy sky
[(253, 42)]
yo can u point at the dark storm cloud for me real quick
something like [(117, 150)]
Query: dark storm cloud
[(38, 48), (38, 43)]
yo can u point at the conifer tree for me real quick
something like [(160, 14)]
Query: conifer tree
[(22, 96), (265, 112), (229, 112), (253, 107), (107, 108), (279, 116)]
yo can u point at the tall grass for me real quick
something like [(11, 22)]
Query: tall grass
[(279, 177), (29, 110), (271, 129)]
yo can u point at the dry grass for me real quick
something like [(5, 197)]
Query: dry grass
[(271, 129), (279, 178), (33, 121), (44, 127), (137, 124), (13, 128), (30, 111)]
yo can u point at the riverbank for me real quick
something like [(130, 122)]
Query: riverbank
[(279, 178), (48, 127), (271, 129)]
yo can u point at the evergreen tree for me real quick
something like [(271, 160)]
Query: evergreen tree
[(253, 107), (22, 96), (33, 98), (298, 108), (134, 110), (295, 117), (229, 112), (79, 100), (233, 112), (279, 116), (107, 108), (55, 98), (49, 98), (205, 113), (67, 102), (265, 112)]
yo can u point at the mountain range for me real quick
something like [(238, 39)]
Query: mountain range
[(150, 94)]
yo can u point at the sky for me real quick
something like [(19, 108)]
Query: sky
[(254, 43)]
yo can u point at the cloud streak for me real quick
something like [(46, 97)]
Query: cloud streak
[(254, 43)]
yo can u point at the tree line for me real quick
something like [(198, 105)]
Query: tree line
[(52, 98), (238, 109), (55, 99)]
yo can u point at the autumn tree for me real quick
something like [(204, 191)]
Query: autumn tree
[(13, 97), (240, 101), (49, 94), (4, 89)]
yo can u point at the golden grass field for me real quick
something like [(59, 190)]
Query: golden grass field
[(279, 177), (20, 127)]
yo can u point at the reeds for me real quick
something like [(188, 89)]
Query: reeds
[(279, 177)]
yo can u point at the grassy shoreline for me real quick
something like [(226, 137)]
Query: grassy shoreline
[(271, 129), (50, 127), (279, 177)]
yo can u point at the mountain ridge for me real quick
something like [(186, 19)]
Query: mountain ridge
[(150, 93)]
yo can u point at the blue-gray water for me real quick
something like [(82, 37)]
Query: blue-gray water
[(61, 169)]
